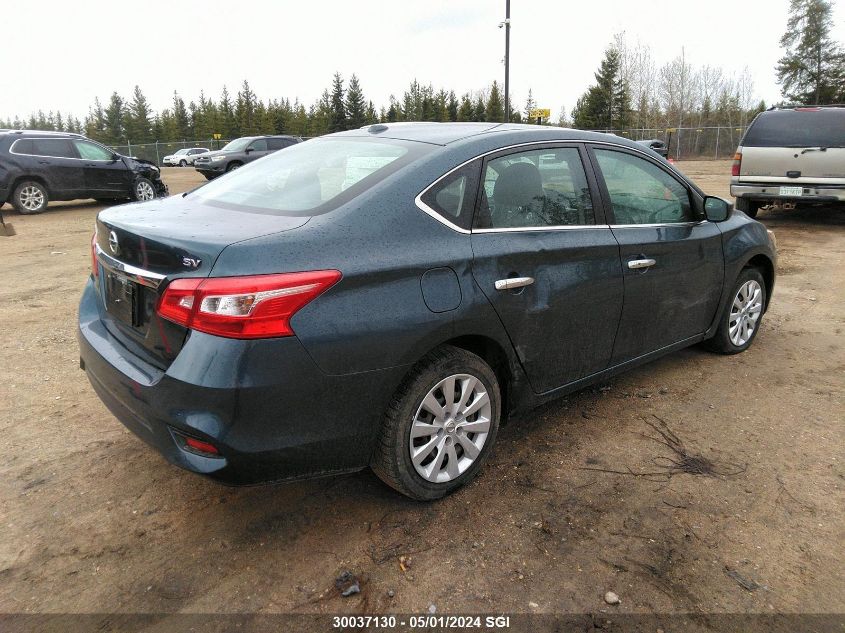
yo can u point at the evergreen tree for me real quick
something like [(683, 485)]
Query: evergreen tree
[(356, 108), (607, 104), (812, 70), (245, 111), (228, 123), (138, 125), (337, 108), (452, 106), (180, 127), (480, 110), (495, 109), (466, 111), (115, 123), (530, 105)]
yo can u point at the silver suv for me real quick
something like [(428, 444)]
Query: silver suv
[(791, 156)]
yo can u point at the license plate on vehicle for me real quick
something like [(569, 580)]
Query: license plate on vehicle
[(791, 191), (121, 298)]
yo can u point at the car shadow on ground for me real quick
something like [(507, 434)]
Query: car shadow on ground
[(828, 215)]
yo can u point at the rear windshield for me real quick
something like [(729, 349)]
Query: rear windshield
[(798, 128), (311, 177)]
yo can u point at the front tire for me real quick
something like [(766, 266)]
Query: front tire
[(741, 318), (30, 197), (143, 190), (440, 425), (183, 163), (233, 167)]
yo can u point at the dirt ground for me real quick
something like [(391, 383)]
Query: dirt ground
[(92, 520)]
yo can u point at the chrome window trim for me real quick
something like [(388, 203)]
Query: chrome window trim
[(422, 206), (658, 224), (565, 227), (138, 275)]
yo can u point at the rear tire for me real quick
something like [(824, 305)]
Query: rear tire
[(448, 447), (740, 320), (749, 207), (30, 197)]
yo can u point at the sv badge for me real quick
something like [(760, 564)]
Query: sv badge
[(191, 262)]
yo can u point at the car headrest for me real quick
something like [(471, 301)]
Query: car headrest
[(519, 185)]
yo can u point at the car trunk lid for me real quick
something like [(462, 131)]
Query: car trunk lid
[(142, 247)]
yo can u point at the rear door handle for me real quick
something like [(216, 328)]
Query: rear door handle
[(514, 282), (637, 264)]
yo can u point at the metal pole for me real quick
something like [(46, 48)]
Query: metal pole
[(507, 59), (718, 129), (158, 158)]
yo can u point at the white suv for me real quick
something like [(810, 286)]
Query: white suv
[(791, 156), (183, 157)]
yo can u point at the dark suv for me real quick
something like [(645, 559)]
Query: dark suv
[(37, 167), (239, 152)]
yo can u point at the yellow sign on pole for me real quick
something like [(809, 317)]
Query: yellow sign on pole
[(540, 113), (217, 136)]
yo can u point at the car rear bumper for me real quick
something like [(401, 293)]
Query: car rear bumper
[(771, 192), (264, 404)]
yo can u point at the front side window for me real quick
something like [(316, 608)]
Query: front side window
[(537, 188), (92, 151), (311, 177), (453, 197), (641, 192), (259, 146)]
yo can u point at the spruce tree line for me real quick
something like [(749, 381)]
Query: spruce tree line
[(343, 106)]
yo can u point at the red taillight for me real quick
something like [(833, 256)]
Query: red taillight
[(737, 164), (201, 447), (258, 306), (95, 268)]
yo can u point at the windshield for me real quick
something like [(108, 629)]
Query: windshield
[(311, 177), (180, 152), (798, 128), (237, 145)]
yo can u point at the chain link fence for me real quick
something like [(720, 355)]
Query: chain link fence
[(690, 143), (156, 151), (685, 143)]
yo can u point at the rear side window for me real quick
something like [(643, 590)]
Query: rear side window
[(824, 127), (55, 147), (535, 189), (453, 197), (277, 143)]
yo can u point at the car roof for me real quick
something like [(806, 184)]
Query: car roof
[(41, 134), (448, 133)]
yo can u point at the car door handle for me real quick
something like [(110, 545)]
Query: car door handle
[(514, 282), (637, 264)]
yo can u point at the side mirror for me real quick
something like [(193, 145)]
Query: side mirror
[(248, 150), (115, 157), (717, 209)]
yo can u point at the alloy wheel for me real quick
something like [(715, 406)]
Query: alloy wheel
[(144, 191), (31, 198), (450, 428), (745, 312)]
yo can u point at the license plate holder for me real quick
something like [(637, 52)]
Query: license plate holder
[(122, 298), (791, 191)]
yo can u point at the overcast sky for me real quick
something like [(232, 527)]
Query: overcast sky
[(60, 55)]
